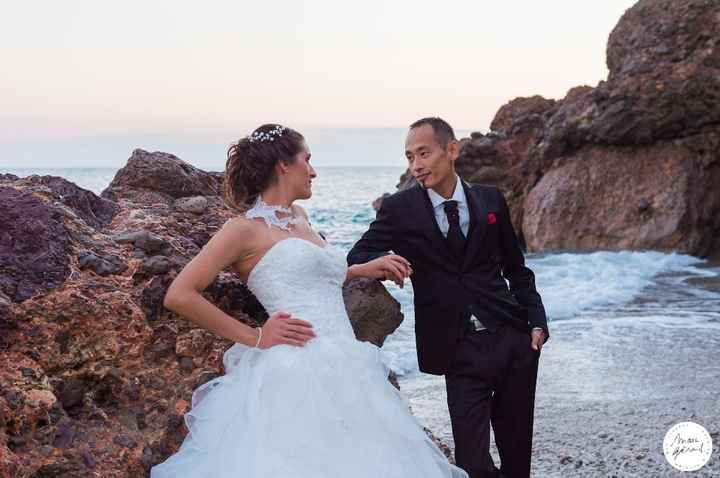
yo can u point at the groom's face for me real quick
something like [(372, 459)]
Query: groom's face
[(429, 163)]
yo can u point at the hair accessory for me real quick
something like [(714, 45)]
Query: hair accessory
[(266, 136)]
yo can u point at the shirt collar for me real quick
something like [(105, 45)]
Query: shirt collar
[(458, 195)]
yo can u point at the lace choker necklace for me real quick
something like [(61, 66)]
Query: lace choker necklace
[(268, 212)]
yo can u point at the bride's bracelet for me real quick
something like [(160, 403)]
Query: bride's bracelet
[(259, 336)]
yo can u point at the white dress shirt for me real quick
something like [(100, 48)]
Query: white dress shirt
[(459, 196), (463, 211)]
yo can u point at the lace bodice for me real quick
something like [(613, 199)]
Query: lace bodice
[(305, 280)]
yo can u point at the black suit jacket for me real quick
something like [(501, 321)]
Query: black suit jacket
[(447, 290)]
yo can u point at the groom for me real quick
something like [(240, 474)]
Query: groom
[(469, 326)]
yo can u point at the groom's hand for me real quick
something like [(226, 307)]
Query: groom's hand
[(537, 338)]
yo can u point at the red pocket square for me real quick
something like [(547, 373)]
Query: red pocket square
[(491, 218)]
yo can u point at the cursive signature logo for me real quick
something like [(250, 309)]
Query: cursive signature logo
[(687, 446)]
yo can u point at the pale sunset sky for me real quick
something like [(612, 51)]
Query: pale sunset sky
[(209, 72)]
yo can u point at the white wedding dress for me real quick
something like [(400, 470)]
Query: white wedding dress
[(322, 410)]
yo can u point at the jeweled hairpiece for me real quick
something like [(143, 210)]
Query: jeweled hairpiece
[(267, 136)]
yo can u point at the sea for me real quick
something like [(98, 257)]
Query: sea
[(652, 287), (647, 290)]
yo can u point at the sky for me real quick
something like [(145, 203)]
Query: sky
[(207, 73)]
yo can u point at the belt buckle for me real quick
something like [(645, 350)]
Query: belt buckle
[(477, 325)]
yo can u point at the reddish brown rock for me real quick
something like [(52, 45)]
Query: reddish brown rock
[(664, 62), (94, 211), (658, 111), (663, 59), (373, 312), (521, 113), (161, 178), (633, 163), (406, 181), (195, 343), (35, 245), (663, 197), (96, 374)]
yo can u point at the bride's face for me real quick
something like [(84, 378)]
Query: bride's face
[(299, 174)]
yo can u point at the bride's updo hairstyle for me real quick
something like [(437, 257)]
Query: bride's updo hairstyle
[(250, 166)]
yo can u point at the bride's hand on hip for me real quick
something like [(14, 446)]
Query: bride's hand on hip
[(391, 266), (281, 328)]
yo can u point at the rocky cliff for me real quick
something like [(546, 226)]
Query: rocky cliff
[(632, 163)]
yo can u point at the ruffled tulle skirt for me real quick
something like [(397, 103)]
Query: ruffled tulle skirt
[(323, 410)]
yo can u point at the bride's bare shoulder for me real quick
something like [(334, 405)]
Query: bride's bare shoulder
[(241, 238), (242, 227)]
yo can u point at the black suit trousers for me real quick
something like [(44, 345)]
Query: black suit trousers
[(492, 380)]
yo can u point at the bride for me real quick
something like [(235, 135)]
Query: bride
[(301, 397)]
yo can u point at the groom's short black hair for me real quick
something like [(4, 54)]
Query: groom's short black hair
[(442, 131)]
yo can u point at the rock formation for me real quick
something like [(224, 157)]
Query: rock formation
[(161, 178), (96, 374), (633, 163)]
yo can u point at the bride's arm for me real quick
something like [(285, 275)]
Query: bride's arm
[(184, 296)]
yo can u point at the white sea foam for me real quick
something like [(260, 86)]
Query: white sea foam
[(573, 284), (646, 289)]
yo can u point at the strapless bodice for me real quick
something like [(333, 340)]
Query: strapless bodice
[(299, 277)]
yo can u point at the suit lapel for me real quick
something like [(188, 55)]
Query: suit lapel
[(478, 224), (428, 222)]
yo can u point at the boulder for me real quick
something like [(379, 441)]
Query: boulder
[(161, 178), (373, 312), (661, 197), (35, 245)]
